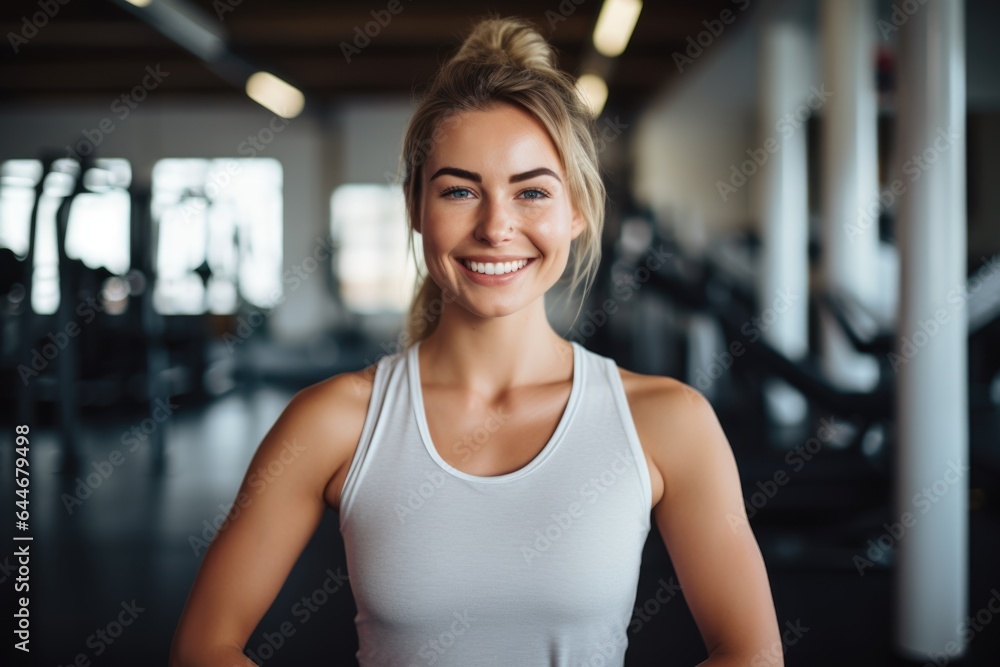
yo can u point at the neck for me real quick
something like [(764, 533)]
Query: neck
[(490, 355)]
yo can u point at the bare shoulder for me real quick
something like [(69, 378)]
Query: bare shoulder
[(676, 424), (335, 397), (328, 417), (658, 388), (702, 519)]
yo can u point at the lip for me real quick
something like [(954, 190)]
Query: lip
[(494, 259), (484, 279)]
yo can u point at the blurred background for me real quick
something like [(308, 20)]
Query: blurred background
[(200, 214)]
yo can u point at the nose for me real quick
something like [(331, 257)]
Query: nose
[(496, 223)]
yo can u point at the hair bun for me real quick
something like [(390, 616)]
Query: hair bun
[(507, 41)]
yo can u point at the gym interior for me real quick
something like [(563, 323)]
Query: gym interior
[(201, 214)]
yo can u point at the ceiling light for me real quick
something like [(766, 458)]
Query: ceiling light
[(615, 25), (594, 90), (274, 94)]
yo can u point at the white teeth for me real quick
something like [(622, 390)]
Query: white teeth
[(498, 269)]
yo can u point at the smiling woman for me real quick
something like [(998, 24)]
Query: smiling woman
[(495, 482), (507, 221), (503, 98)]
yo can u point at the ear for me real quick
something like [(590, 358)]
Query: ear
[(578, 224)]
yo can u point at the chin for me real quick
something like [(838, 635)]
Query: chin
[(491, 308)]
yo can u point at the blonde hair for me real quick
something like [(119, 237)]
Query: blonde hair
[(505, 60)]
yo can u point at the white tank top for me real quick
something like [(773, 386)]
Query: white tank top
[(537, 567)]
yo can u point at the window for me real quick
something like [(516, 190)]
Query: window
[(219, 234), (99, 224), (368, 223)]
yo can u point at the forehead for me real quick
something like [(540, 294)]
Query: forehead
[(502, 139)]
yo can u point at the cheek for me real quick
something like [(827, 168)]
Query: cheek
[(554, 228), (437, 242)]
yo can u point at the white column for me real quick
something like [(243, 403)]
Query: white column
[(933, 448), (707, 357), (850, 180), (783, 289)]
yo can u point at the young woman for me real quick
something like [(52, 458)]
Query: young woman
[(494, 482)]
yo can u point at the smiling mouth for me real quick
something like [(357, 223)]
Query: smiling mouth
[(496, 268)]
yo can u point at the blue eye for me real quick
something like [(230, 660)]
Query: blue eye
[(447, 193), (542, 194)]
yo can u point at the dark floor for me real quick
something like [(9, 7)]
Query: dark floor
[(128, 545)]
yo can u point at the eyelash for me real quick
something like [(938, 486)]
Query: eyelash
[(459, 188)]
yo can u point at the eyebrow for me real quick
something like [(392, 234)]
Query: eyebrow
[(473, 176)]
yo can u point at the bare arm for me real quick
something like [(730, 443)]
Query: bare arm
[(703, 522), (276, 511)]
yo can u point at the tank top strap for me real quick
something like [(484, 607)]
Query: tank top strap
[(386, 369), (628, 425)]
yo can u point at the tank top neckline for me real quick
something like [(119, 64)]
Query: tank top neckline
[(417, 401)]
